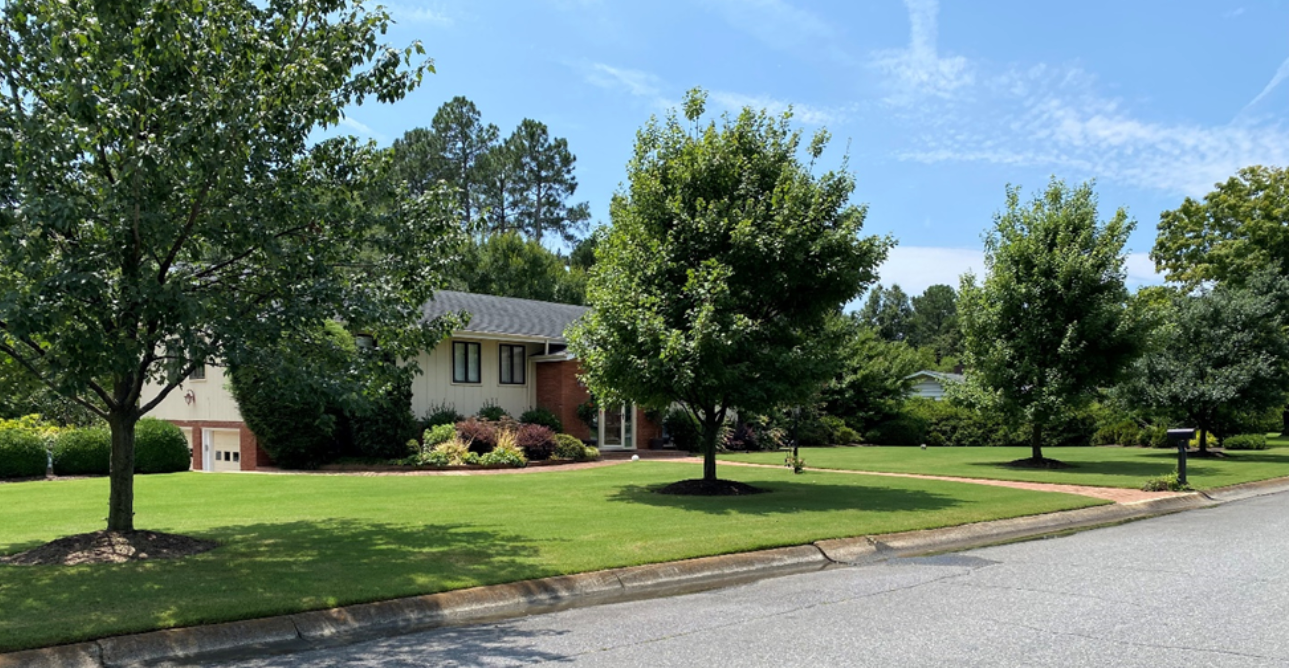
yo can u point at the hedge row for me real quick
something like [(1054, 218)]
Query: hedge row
[(159, 447)]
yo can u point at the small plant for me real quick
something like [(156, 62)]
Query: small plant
[(798, 464), (543, 417), (1165, 483), (1246, 442), (570, 448), (440, 433), (590, 454), (537, 441), (507, 452), (847, 436), (491, 411), (452, 452), (588, 413), (740, 438), (443, 413)]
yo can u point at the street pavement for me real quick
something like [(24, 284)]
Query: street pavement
[(1200, 588)]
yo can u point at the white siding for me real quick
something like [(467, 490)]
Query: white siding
[(927, 387), (211, 400), (434, 386)]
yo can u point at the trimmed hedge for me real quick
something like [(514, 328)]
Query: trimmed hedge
[(22, 454), (537, 441), (1246, 442), (160, 447), (83, 452), (543, 417)]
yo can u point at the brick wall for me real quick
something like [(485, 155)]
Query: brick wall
[(559, 391)]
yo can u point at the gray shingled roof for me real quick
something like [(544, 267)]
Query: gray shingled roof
[(939, 375), (505, 315)]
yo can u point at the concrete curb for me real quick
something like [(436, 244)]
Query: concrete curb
[(321, 628)]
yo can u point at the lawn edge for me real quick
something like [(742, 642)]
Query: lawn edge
[(353, 623)]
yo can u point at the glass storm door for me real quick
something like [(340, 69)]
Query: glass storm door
[(617, 428)]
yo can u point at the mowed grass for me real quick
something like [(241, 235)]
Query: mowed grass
[(1098, 467), (290, 543)]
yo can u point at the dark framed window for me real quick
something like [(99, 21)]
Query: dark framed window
[(511, 364), (465, 362), (199, 373)]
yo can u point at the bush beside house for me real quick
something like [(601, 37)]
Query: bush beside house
[(22, 454)]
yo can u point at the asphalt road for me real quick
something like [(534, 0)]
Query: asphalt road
[(1200, 588)]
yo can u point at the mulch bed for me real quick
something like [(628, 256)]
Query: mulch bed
[(109, 547), (700, 487), (1045, 463)]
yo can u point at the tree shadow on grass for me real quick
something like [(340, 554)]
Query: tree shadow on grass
[(1148, 464), (1130, 469), (258, 570), (786, 498)]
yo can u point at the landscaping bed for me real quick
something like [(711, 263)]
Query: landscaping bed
[(289, 543)]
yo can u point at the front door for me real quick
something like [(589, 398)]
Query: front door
[(617, 428)]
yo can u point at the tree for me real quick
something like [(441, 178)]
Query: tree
[(164, 208), (889, 313), (499, 197), (463, 141), (416, 158), (1220, 353), (1049, 324), (725, 259), (1237, 230), (543, 182), (508, 265), (935, 321), (871, 382)]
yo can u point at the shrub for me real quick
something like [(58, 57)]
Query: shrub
[(1246, 442), (384, 422), (1121, 433), (683, 429), (440, 433), (570, 448), (453, 452), (160, 447), (22, 454), (588, 414), (443, 413), (543, 417), (1154, 437), (740, 438), (480, 436), (590, 454), (491, 411), (847, 436), (83, 452), (537, 441), (904, 429), (506, 453), (1211, 441), (1166, 483)]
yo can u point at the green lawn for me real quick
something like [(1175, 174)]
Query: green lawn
[(1100, 467), (298, 542)]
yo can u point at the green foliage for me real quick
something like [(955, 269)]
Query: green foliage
[(935, 322), (568, 447), (726, 256), (1166, 483), (169, 203), (440, 433), (870, 384), (509, 265), (441, 414), (904, 429), (1126, 432), (492, 412), (1049, 324), (83, 452), (683, 429), (1239, 229), (847, 436), (588, 413), (1246, 442), (889, 313), (160, 447), (22, 454), (1219, 357), (544, 417), (505, 454), (382, 422)]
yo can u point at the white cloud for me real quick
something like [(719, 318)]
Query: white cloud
[(1282, 73), (919, 70), (417, 13), (915, 268), (362, 128), (1233, 13), (635, 82), (1141, 271), (810, 115)]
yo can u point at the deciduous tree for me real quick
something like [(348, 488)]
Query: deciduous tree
[(725, 259)]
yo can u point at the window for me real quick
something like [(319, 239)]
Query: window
[(465, 362), (199, 373), (511, 364)]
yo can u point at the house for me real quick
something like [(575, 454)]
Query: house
[(511, 353), (931, 384)]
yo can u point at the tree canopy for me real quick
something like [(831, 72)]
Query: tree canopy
[(725, 259), (888, 311), (164, 207), (1049, 323)]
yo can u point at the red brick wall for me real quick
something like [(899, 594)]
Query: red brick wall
[(251, 454), (559, 391), (646, 430)]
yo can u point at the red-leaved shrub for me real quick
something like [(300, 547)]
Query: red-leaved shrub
[(481, 435), (537, 441)]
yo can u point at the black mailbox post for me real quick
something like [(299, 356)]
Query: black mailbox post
[(1180, 438)]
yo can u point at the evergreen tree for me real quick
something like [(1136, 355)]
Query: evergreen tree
[(543, 183), (463, 141)]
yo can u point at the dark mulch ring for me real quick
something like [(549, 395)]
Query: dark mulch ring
[(109, 547), (700, 487), (1045, 463)]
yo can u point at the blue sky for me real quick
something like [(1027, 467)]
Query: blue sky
[(941, 105)]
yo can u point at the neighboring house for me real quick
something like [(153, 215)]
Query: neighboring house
[(931, 384), (512, 353)]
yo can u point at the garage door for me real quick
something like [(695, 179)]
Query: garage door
[(225, 447)]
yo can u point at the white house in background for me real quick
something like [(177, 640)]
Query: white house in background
[(931, 384)]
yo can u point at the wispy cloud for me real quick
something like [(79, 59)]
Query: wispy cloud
[(919, 70), (1282, 73), (1233, 13), (804, 113), (780, 25), (362, 128), (418, 13), (636, 83)]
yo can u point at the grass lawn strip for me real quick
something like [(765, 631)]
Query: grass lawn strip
[(1126, 468), (295, 543)]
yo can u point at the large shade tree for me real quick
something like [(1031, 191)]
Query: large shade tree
[(164, 207), (1050, 322), (725, 259)]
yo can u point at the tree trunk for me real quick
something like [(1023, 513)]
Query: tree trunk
[(121, 472), (1203, 448), (1036, 451), (711, 426)]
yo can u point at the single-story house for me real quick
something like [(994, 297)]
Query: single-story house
[(931, 384), (512, 353)]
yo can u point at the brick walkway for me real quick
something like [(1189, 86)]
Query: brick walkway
[(1108, 493)]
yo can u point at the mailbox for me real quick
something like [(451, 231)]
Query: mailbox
[(1180, 438)]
